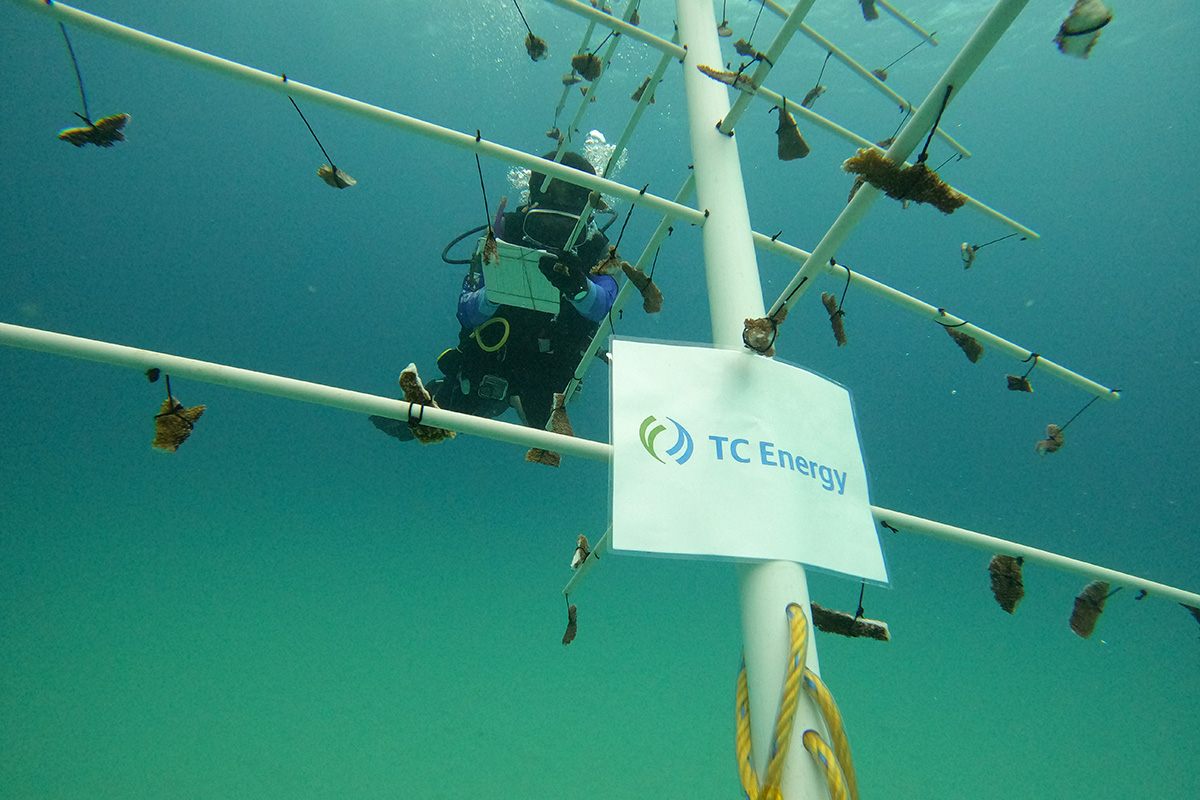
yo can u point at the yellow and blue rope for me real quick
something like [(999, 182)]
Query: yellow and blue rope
[(835, 763)]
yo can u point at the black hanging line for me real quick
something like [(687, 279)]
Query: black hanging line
[(654, 264), (1034, 357), (924, 156), (627, 216), (952, 157), (611, 34), (843, 300), (1001, 239), (174, 406), (942, 311), (332, 166), (860, 611), (762, 5), (907, 114), (518, 5), (929, 139), (914, 47), (86, 115), (788, 299), (820, 74), (487, 211), (1085, 408)]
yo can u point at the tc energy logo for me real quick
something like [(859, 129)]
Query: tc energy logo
[(740, 451), (649, 433)]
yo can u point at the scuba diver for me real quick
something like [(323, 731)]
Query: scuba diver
[(517, 351)]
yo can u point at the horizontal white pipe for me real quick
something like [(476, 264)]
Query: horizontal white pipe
[(599, 550), (992, 544), (906, 22), (981, 541), (264, 383), (621, 26), (885, 292), (278, 84)]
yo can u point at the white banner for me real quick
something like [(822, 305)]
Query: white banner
[(726, 454)]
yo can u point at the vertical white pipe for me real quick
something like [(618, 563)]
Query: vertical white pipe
[(735, 293)]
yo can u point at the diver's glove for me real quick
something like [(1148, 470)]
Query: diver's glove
[(565, 273)]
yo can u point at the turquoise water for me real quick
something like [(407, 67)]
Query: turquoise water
[(296, 606)]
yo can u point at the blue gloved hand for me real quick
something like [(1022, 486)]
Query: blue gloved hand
[(565, 273)]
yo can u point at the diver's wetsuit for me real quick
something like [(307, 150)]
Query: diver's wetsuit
[(541, 352)]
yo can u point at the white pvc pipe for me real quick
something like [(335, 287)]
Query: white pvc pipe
[(906, 22), (734, 290), (264, 383), (960, 70), (949, 533), (885, 292), (620, 25), (599, 550), (280, 85)]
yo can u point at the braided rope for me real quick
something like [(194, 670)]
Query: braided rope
[(842, 785), (745, 767), (791, 696), (837, 732), (827, 763)]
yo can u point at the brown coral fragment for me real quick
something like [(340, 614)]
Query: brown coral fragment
[(1195, 612), (869, 11), (1089, 605), (1007, 586), (572, 626), (610, 265), (746, 49), (760, 334), (335, 177), (103, 133), (791, 144), (841, 623), (560, 424), (652, 296), (812, 96), (536, 47), (491, 250), (735, 79), (836, 317), (173, 424), (641, 90), (917, 183), (536, 455), (972, 348), (1018, 383), (588, 65), (1053, 440), (582, 551), (415, 392)]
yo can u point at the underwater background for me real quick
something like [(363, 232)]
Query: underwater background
[(294, 605)]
